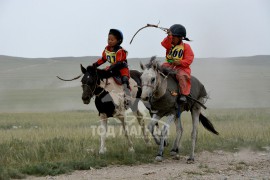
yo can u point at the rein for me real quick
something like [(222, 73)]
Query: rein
[(165, 77), (153, 86), (96, 85), (149, 85), (103, 89), (92, 91)]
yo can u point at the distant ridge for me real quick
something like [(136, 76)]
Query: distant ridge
[(30, 84), (239, 57), (266, 57)]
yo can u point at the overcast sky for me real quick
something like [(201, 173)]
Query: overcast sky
[(57, 28)]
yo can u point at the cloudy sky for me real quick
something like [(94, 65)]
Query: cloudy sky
[(57, 28)]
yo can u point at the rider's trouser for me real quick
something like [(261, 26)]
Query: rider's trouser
[(183, 78)]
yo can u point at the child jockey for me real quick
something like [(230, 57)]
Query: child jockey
[(117, 57), (179, 56)]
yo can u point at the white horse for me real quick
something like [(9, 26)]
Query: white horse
[(158, 85)]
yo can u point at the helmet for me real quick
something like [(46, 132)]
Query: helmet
[(178, 30), (118, 34)]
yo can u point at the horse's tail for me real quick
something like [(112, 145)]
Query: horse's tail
[(207, 124)]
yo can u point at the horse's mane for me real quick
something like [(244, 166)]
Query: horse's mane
[(153, 63), (101, 73)]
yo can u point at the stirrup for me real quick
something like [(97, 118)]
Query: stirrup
[(183, 98), (127, 101)]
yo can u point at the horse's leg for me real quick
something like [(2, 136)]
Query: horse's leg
[(195, 113), (164, 136), (140, 118), (122, 118), (179, 132), (103, 129), (151, 126)]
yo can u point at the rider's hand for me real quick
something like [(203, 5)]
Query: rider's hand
[(176, 63), (169, 32), (95, 65)]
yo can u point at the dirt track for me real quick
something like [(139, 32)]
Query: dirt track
[(217, 165)]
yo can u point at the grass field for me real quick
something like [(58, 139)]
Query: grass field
[(45, 129), (60, 142)]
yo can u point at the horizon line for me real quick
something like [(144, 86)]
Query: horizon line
[(130, 57)]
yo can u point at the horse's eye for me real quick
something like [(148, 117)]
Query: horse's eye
[(152, 80)]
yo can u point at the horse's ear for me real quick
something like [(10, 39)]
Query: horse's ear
[(155, 65), (83, 69), (142, 66)]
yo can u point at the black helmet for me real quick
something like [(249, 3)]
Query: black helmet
[(178, 30), (118, 34)]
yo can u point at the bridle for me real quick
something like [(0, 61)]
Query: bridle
[(155, 87), (92, 91)]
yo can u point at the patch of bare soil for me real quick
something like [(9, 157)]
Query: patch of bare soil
[(217, 165)]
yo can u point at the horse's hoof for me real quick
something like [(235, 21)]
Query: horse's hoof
[(173, 153), (102, 151), (159, 158), (190, 160), (131, 150), (176, 157)]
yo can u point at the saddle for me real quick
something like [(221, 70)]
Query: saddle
[(115, 75), (118, 81)]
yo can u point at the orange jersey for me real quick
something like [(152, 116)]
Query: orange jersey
[(181, 52), (112, 56), (120, 55)]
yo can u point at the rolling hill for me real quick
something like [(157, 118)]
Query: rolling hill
[(30, 84)]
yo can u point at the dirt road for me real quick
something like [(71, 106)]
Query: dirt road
[(217, 165)]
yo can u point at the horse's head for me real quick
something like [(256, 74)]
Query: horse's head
[(89, 83), (149, 79)]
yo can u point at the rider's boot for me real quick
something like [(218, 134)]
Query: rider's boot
[(183, 98), (127, 95)]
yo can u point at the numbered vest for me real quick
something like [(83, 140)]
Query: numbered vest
[(110, 56), (176, 53)]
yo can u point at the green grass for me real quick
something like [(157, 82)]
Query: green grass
[(61, 142)]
